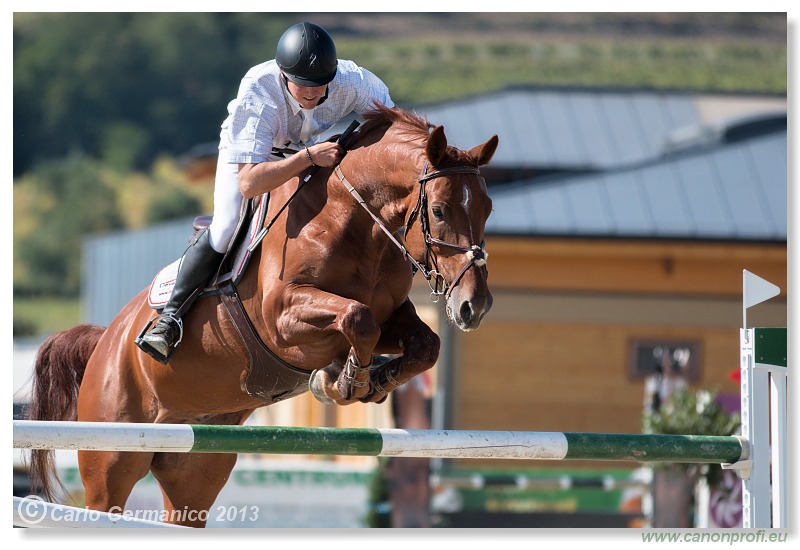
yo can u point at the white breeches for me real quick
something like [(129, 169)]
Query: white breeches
[(227, 204)]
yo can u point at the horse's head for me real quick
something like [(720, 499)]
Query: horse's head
[(452, 209)]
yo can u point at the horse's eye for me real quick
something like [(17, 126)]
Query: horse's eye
[(437, 213)]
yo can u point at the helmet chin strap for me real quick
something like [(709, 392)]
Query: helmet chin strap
[(320, 102), (323, 98)]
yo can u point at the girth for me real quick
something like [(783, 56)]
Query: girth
[(269, 377)]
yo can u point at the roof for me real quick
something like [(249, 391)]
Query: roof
[(566, 128), (719, 190), (626, 163)]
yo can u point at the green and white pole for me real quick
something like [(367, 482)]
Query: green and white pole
[(185, 438)]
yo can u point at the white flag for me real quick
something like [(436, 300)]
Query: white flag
[(757, 290)]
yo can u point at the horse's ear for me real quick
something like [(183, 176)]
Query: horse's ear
[(485, 152), (436, 148)]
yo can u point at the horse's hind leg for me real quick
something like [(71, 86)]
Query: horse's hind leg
[(109, 476), (190, 483), (108, 394)]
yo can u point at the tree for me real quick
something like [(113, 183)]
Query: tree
[(59, 203), (82, 79)]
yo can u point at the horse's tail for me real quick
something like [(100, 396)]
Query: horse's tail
[(57, 375)]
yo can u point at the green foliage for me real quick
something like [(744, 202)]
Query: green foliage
[(39, 316), (77, 76), (124, 145), (172, 203), (456, 68), (60, 202), (378, 514), (688, 412), (24, 327), (695, 413)]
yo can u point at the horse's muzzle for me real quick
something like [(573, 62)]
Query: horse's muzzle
[(467, 312)]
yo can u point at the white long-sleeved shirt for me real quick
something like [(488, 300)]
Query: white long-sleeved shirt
[(265, 115)]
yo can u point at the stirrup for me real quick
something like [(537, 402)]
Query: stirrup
[(150, 350)]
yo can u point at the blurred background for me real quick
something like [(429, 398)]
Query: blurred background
[(642, 165)]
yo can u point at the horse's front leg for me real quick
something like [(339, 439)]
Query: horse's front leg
[(404, 333), (312, 316)]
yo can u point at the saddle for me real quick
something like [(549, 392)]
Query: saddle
[(269, 378), (236, 258)]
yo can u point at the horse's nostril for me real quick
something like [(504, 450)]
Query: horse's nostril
[(466, 311)]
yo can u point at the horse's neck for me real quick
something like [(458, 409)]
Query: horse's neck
[(387, 180)]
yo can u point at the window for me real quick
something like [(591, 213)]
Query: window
[(668, 357)]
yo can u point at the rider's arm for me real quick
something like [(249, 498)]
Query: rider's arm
[(263, 177)]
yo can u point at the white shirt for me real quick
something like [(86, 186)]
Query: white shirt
[(265, 115)]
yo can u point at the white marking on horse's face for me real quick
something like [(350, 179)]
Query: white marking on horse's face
[(465, 202)]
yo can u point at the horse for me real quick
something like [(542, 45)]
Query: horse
[(326, 291)]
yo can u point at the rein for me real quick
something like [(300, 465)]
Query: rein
[(476, 255), (342, 140)]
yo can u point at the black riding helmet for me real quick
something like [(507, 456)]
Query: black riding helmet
[(306, 55)]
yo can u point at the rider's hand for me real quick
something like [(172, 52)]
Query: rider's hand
[(326, 154)]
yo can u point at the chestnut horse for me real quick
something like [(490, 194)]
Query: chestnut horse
[(326, 290)]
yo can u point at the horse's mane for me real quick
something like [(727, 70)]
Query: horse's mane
[(412, 126), (394, 116)]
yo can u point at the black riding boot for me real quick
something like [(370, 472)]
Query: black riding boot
[(198, 265)]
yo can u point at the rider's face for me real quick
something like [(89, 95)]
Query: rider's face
[(307, 96)]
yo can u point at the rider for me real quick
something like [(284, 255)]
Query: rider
[(284, 103)]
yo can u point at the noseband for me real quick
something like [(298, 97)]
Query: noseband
[(476, 255)]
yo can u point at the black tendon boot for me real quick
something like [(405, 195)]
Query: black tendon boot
[(198, 265)]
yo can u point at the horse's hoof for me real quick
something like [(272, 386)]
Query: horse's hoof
[(316, 387)]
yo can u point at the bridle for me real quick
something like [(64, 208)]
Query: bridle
[(476, 255)]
